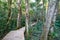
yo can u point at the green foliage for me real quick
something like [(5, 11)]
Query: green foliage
[(35, 31), (57, 28), (34, 11)]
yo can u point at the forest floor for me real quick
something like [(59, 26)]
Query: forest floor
[(19, 34)]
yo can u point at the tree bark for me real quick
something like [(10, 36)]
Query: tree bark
[(51, 30), (9, 12), (19, 14), (9, 15), (49, 15), (27, 18)]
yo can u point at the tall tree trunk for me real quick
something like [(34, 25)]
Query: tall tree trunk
[(49, 15), (51, 30), (9, 15), (46, 5), (27, 18), (43, 15), (9, 11), (19, 14)]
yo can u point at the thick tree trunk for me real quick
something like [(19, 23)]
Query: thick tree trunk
[(49, 15), (51, 30), (19, 14), (27, 18)]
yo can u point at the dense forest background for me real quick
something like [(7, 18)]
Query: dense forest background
[(15, 14)]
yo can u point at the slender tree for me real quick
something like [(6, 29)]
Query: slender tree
[(9, 14), (49, 16), (19, 14), (9, 11), (27, 18), (8, 18), (46, 5), (43, 14)]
